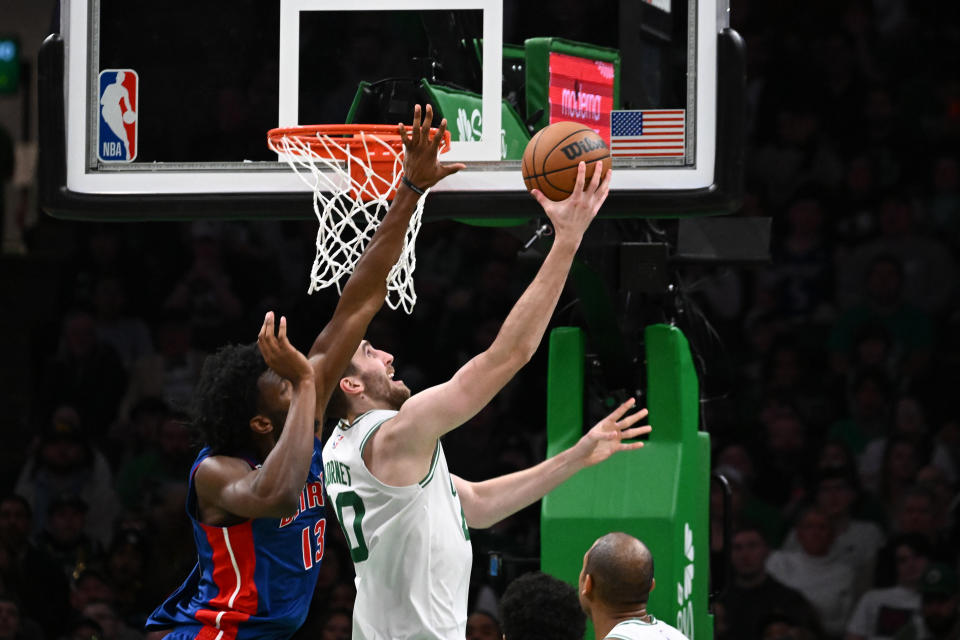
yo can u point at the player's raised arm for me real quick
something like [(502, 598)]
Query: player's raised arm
[(488, 502), (430, 414), (366, 289), (226, 484)]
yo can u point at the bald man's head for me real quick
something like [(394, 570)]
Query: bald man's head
[(620, 569)]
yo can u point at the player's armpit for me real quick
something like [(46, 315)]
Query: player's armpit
[(469, 501)]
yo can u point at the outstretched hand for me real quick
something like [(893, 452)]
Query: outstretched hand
[(572, 216), (420, 164), (281, 356), (607, 436)]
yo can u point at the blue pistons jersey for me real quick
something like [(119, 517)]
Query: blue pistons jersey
[(254, 579)]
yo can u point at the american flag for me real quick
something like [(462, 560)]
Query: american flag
[(648, 133)]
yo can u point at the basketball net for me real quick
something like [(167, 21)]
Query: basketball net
[(353, 181)]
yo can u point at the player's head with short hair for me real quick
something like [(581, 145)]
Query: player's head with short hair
[(537, 606), (367, 383), (617, 574), (237, 395)]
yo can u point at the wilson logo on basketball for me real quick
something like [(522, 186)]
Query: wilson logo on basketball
[(577, 149)]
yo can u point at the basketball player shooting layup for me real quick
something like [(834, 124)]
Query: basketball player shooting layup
[(404, 514), (256, 498)]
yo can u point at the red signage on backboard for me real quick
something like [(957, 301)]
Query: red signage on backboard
[(581, 90)]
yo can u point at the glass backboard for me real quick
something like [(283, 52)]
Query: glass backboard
[(160, 110)]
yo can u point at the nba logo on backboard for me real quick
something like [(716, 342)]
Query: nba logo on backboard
[(117, 130)]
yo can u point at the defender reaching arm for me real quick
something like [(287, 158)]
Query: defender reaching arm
[(366, 289), (227, 488)]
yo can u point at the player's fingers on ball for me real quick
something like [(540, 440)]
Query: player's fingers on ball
[(605, 184), (539, 197), (581, 177), (595, 178)]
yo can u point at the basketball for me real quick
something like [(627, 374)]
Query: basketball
[(129, 117), (552, 155)]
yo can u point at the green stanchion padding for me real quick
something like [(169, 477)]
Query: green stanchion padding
[(510, 51), (463, 111), (537, 53), (660, 494)]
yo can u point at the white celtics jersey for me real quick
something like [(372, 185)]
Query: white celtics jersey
[(637, 629), (410, 545)]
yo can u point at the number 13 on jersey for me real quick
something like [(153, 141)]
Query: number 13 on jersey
[(311, 555)]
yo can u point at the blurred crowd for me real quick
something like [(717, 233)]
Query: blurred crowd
[(828, 387)]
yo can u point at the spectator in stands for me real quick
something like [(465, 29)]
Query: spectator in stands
[(89, 586), (15, 626), (909, 422), (105, 615), (778, 626), (868, 413), (64, 538), (207, 291), (84, 629), (910, 329), (168, 461), (31, 574), (915, 513), (67, 462), (881, 613), (85, 373), (855, 542), (128, 335), (126, 567), (801, 269), (753, 594), (826, 583), (940, 606), (784, 460), (928, 268), (172, 372), (899, 467), (338, 625)]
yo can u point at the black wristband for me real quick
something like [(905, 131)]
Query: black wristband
[(417, 190)]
